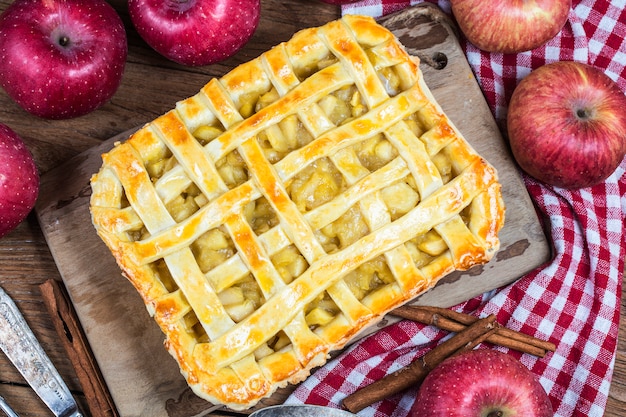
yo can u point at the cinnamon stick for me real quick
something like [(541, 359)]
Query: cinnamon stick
[(68, 327), (454, 321), (414, 373)]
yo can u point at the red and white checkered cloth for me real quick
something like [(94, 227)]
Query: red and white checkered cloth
[(574, 301)]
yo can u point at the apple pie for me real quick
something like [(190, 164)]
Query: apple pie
[(267, 220)]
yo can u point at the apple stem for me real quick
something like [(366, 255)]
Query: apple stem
[(495, 413), (583, 113), (64, 41)]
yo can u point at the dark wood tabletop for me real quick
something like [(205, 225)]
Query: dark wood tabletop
[(150, 87)]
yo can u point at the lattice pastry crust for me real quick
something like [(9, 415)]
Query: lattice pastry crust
[(268, 219)]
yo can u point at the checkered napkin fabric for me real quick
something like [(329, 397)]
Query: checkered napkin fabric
[(573, 300)]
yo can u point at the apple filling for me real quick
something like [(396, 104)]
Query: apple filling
[(314, 186)]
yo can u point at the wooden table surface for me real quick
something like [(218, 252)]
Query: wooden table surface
[(151, 85)]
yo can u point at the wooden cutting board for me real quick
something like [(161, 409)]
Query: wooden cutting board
[(143, 379)]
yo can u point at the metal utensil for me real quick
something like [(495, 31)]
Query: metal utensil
[(20, 345), (300, 411), (6, 408)]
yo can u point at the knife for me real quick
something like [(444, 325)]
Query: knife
[(20, 345)]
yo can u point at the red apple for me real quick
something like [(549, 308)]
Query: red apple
[(481, 383), (195, 32), (566, 124), (510, 26), (61, 58), (19, 180)]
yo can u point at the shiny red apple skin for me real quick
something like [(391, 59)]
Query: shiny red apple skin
[(195, 32), (19, 180), (510, 26), (566, 124), (478, 382), (54, 80)]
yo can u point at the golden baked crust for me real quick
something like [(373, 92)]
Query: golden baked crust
[(268, 219)]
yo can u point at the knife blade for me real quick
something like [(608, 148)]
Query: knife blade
[(20, 345)]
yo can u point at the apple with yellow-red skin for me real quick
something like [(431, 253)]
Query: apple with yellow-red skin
[(566, 124), (481, 383), (510, 26)]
